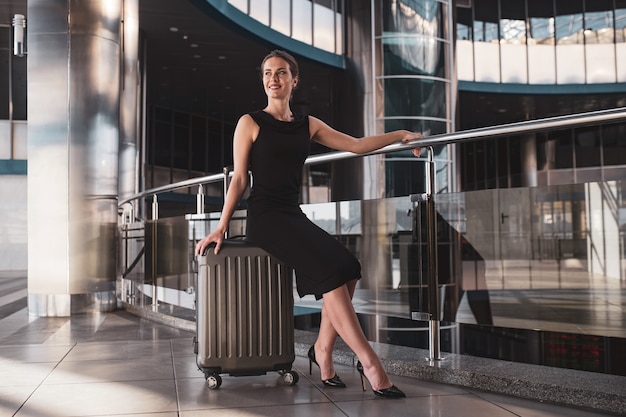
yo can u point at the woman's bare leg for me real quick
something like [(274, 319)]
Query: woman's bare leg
[(342, 317), (326, 338)]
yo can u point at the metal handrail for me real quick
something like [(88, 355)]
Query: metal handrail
[(551, 123)]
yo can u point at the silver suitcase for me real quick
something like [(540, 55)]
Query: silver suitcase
[(244, 314)]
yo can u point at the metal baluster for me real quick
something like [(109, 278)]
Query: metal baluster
[(433, 273)]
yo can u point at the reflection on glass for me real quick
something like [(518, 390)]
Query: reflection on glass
[(463, 32), (337, 218), (485, 31), (510, 258), (486, 21), (513, 31), (569, 22), (414, 97), (599, 27), (541, 31), (620, 21)]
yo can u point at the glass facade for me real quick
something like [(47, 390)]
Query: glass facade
[(413, 86), (318, 23), (542, 42), (577, 47)]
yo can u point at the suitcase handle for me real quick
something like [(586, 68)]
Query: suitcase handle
[(238, 240)]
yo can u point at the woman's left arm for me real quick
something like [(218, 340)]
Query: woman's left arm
[(327, 136)]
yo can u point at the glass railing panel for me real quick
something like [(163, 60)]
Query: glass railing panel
[(544, 258), (548, 258)]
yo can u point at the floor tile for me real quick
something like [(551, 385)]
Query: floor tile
[(185, 367), (119, 350), (449, 406), (12, 398), (527, 408), (151, 368), (101, 399), (32, 353), (20, 374), (166, 414), (253, 391), (318, 410)]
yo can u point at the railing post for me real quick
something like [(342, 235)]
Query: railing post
[(155, 217), (155, 208), (200, 200), (433, 273), (433, 308), (226, 176)]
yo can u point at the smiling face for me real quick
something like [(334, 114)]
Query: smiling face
[(278, 80)]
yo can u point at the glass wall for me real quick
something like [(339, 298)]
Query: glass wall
[(412, 79), (542, 42), (315, 22), (179, 147), (569, 156)]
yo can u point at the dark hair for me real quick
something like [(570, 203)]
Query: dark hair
[(277, 53)]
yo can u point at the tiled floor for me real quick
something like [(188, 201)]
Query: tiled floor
[(117, 364)]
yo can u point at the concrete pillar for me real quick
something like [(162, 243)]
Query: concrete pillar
[(73, 142)]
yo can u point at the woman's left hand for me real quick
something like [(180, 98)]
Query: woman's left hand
[(410, 137)]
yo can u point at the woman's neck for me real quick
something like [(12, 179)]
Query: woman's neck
[(280, 112)]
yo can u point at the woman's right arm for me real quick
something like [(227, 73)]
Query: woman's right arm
[(245, 132)]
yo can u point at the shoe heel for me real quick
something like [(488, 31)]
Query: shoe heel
[(391, 392), (359, 368), (311, 355)]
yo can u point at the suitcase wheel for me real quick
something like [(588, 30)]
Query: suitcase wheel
[(213, 381), (290, 377)]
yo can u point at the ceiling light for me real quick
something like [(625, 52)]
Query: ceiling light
[(221, 57), (173, 29), (194, 45)]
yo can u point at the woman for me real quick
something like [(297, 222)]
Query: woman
[(274, 143)]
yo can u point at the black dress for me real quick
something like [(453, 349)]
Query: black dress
[(275, 221)]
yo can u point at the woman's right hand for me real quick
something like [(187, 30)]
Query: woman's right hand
[(216, 236)]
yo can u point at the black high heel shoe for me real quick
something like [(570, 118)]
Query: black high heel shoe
[(334, 382), (391, 392)]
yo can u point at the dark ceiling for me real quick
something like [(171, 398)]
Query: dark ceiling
[(199, 65)]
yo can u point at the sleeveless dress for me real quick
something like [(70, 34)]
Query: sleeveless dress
[(275, 221)]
